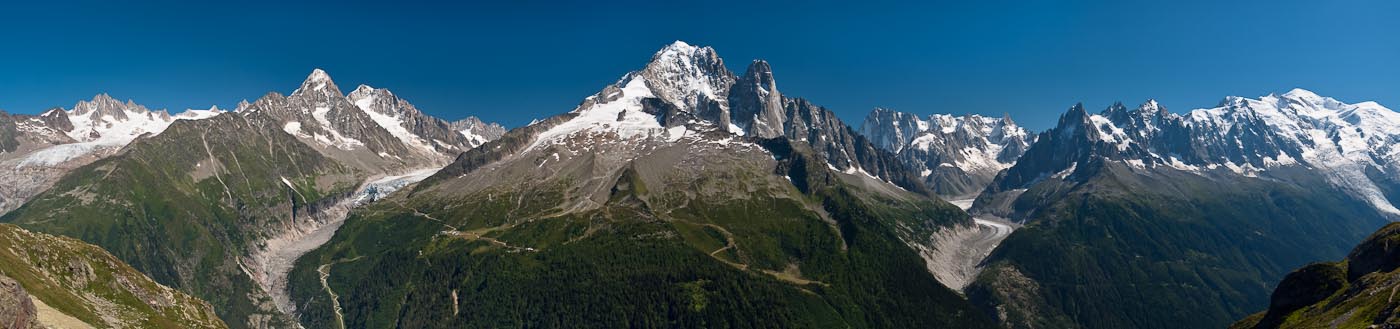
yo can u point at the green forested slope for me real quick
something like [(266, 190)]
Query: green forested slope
[(654, 254), (1162, 249)]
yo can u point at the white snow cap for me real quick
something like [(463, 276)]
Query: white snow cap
[(318, 75)]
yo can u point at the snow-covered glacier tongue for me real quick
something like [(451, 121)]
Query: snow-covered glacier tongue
[(271, 264)]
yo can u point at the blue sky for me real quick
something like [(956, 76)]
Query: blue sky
[(528, 59)]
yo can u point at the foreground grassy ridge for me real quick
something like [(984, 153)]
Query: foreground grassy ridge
[(86, 282), (183, 206), (660, 251), (1357, 292), (1164, 250)]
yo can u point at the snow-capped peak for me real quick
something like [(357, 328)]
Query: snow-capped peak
[(318, 75), (1303, 94), (679, 46), (390, 113), (363, 89), (373, 99), (686, 75), (107, 121), (971, 145), (101, 125), (691, 79), (1150, 106), (319, 83)]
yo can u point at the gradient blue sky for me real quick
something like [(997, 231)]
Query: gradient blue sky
[(514, 62)]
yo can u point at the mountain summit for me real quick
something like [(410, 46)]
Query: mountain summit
[(371, 128)]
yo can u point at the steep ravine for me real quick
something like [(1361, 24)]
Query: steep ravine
[(957, 254), (270, 265)]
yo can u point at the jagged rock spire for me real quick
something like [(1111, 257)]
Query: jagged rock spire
[(756, 104)]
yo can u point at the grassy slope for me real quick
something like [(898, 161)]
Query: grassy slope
[(85, 282), (1358, 292), (148, 207)]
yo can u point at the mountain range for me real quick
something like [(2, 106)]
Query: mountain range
[(219, 203), (628, 204), (688, 195)]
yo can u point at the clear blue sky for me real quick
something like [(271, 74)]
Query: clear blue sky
[(530, 59)]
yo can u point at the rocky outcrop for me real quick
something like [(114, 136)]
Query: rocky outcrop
[(16, 310), (1358, 292), (478, 132), (757, 104)]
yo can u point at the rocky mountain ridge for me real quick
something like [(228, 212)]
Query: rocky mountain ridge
[(1355, 146), (957, 156)]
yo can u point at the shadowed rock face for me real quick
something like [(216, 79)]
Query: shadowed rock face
[(757, 103), (1378, 254)]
